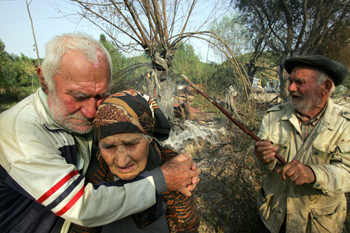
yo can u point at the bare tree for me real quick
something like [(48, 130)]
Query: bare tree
[(291, 28), (31, 22), (154, 26), (233, 31), (337, 44), (35, 44)]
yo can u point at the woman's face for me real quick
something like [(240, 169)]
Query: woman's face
[(125, 154)]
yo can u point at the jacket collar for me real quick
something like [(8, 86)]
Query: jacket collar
[(42, 107), (325, 120)]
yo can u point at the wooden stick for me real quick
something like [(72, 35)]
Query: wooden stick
[(256, 138)]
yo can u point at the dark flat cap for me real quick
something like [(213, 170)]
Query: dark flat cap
[(336, 71)]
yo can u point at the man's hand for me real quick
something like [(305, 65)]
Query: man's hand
[(180, 172), (297, 172), (264, 151), (194, 180)]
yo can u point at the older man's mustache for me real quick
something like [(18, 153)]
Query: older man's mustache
[(80, 117)]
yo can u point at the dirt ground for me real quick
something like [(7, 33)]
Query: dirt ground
[(225, 196)]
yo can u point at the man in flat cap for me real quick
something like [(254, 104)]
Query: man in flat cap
[(313, 135)]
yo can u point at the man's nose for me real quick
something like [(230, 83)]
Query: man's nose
[(89, 108), (292, 87)]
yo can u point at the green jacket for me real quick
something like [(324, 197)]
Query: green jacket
[(317, 207)]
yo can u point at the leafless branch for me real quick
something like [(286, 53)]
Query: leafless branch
[(31, 22)]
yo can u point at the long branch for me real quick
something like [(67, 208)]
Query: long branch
[(143, 38), (305, 21), (108, 21), (289, 21), (165, 27), (158, 22), (188, 17), (256, 138), (31, 22), (149, 14)]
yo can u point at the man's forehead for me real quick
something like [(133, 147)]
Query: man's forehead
[(303, 75), (86, 93)]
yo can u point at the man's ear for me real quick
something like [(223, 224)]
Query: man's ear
[(328, 86), (42, 81)]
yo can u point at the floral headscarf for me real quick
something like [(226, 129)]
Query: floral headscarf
[(130, 111)]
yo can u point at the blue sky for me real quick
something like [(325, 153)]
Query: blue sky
[(16, 31)]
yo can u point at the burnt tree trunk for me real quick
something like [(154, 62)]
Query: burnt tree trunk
[(162, 92), (159, 85)]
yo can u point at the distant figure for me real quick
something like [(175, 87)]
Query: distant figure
[(313, 135)]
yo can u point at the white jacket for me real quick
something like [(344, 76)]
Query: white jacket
[(39, 176)]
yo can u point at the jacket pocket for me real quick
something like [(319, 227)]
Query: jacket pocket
[(344, 152), (282, 143), (319, 155), (344, 147), (330, 218), (264, 202)]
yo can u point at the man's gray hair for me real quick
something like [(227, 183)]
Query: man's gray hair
[(322, 77), (58, 47)]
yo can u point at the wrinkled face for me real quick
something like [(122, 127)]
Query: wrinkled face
[(305, 92), (125, 154), (80, 86)]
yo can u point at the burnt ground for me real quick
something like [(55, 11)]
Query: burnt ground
[(225, 196)]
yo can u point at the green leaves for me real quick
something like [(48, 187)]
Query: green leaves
[(18, 77)]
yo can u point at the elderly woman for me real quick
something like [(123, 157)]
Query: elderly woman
[(128, 125)]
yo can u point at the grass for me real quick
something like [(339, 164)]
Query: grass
[(200, 101), (9, 97)]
